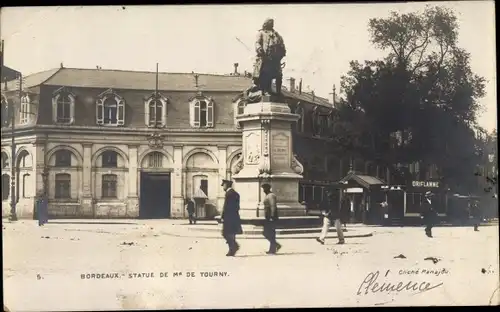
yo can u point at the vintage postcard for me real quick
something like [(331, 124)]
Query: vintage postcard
[(249, 156)]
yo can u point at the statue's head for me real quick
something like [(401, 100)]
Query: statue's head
[(268, 24)]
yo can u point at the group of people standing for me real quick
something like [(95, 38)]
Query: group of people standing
[(332, 214), (231, 221)]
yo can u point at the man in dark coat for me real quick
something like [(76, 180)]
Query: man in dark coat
[(271, 218), (475, 213), (42, 208), (231, 222), (345, 208), (190, 209), (331, 214), (428, 213)]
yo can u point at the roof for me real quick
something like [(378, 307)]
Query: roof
[(198, 193), (364, 180), (9, 73), (142, 80), (32, 80)]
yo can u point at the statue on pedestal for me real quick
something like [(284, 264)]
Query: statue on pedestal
[(270, 50)]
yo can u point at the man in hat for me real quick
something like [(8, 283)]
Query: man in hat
[(270, 49), (190, 207), (271, 218), (428, 213), (331, 214), (231, 222), (42, 208)]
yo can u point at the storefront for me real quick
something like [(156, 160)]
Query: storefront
[(415, 196), (366, 195)]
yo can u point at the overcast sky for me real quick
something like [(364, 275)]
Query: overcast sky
[(320, 39)]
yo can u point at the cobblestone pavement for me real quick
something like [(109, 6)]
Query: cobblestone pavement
[(43, 268)]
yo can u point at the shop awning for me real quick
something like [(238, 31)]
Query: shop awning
[(199, 194), (363, 180)]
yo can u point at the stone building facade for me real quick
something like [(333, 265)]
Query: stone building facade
[(109, 145)]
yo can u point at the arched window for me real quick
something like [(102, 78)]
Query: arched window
[(202, 113), (25, 110), (23, 160), (155, 160), (156, 111), (63, 107), (109, 159), (5, 112), (5, 160), (110, 109), (63, 186), (63, 158), (5, 186), (239, 110), (109, 186), (300, 122)]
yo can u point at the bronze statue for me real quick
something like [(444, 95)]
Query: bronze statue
[(270, 50)]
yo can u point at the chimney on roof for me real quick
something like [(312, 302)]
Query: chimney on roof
[(62, 65), (292, 84), (236, 69), (300, 86), (312, 93)]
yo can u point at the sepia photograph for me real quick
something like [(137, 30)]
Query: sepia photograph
[(232, 156)]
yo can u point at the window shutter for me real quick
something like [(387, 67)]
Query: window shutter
[(54, 108), (71, 109), (121, 113), (146, 112), (164, 113), (191, 114), (210, 114), (100, 111), (195, 114)]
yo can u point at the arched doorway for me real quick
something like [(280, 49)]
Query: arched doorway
[(155, 183)]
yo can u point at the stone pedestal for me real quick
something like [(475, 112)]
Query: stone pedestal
[(267, 157)]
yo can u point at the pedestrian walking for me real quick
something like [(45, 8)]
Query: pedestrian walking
[(475, 212), (231, 221), (345, 208), (428, 213), (331, 214), (271, 218), (190, 207), (42, 208)]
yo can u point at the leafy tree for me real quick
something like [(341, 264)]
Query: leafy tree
[(419, 103)]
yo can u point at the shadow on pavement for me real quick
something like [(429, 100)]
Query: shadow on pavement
[(277, 254), (96, 223)]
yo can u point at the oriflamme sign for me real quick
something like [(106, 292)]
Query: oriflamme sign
[(425, 184)]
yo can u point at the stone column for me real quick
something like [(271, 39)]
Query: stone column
[(222, 155), (177, 184), (87, 206), (268, 157), (133, 198)]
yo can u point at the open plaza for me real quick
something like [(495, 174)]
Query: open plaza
[(137, 264)]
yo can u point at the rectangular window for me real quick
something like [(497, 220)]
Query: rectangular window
[(204, 186), (109, 183), (63, 186)]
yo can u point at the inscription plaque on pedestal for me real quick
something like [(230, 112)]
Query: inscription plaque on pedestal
[(280, 150)]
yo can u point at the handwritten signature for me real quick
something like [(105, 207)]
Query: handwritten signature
[(370, 285)]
